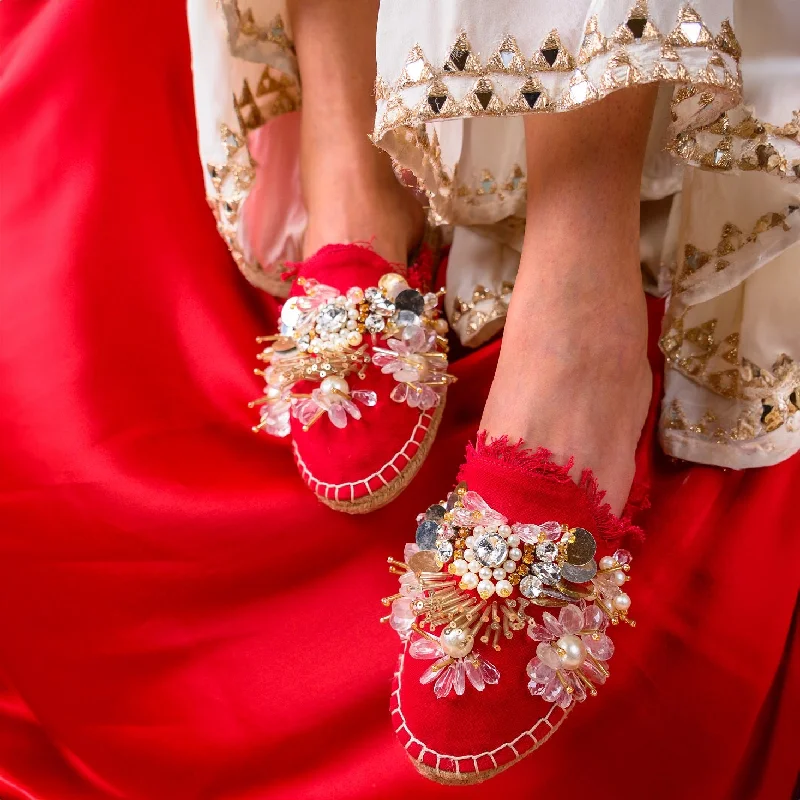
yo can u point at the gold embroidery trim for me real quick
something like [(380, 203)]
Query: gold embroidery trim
[(717, 364), (474, 318), (731, 240), (621, 70)]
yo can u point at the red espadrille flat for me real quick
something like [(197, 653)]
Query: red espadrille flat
[(487, 673), (357, 376)]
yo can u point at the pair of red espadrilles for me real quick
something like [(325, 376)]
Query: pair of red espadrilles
[(505, 601)]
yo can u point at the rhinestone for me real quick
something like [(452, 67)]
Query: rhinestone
[(506, 56), (445, 550), (546, 572), (491, 549), (383, 307), (374, 323), (530, 586), (372, 294), (331, 318), (582, 549), (427, 531), (547, 551), (410, 300)]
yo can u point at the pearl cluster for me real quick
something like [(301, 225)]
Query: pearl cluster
[(489, 557)]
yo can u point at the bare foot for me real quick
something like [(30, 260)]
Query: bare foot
[(573, 377), (360, 208)]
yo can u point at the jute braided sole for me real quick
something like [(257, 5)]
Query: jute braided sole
[(468, 778), (387, 493)]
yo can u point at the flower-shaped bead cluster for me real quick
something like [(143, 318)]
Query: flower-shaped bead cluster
[(570, 656)]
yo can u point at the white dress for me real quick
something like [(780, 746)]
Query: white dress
[(720, 189)]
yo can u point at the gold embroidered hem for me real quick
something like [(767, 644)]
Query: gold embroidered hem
[(720, 186), (245, 76)]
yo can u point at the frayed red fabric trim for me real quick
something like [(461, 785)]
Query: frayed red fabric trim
[(539, 464), (420, 271), (293, 268)]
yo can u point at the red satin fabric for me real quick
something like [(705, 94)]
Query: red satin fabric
[(160, 639)]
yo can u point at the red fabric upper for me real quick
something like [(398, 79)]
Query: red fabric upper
[(525, 486), (344, 464), (155, 643)]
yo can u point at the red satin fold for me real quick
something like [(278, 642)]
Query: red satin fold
[(179, 618)]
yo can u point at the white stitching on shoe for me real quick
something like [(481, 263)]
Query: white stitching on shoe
[(474, 758), (422, 425)]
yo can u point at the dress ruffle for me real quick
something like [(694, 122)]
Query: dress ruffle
[(720, 186)]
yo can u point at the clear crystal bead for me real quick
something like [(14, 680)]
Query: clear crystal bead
[(530, 586), (406, 318), (374, 323), (547, 551), (331, 318), (491, 549), (546, 572), (445, 550)]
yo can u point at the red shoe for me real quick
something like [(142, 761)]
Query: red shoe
[(487, 674), (357, 375)]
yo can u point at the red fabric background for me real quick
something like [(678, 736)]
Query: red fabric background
[(178, 617)]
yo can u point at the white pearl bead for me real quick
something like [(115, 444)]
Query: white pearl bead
[(440, 326), (459, 567), (469, 581), (515, 554), (333, 383), (469, 554), (475, 566), (504, 530), (456, 642), (606, 562), (499, 574), (351, 325), (273, 392), (485, 589), (470, 541), (503, 588), (619, 577), (513, 540), (510, 565), (622, 602), (479, 530), (354, 338), (485, 573), (574, 651), (353, 313)]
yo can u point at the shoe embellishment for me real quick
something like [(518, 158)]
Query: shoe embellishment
[(465, 555), (329, 337)]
